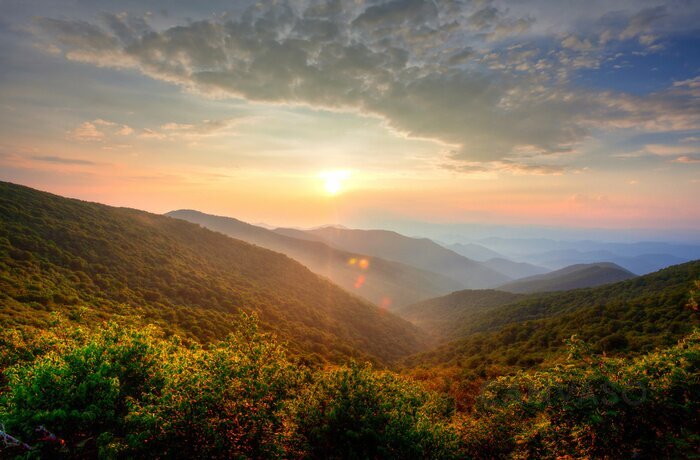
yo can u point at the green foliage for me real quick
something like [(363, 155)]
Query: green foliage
[(445, 317), (593, 407), (82, 389), (123, 392), (355, 412), (222, 402), (116, 392)]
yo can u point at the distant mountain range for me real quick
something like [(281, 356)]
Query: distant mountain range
[(572, 277), (514, 270), (641, 264), (639, 258), (386, 283), (91, 262), (474, 251), (418, 252)]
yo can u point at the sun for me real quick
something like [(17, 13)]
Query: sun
[(333, 181)]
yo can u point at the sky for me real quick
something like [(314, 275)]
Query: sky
[(559, 114)]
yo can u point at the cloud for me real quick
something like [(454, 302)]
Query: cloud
[(61, 160), (196, 130), (447, 71), (193, 132), (681, 152), (667, 150), (97, 130), (489, 169), (640, 24), (100, 130), (674, 109), (688, 159), (87, 131), (575, 43)]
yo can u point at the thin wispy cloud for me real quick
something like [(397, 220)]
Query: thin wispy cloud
[(64, 161)]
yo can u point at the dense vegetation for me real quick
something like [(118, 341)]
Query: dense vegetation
[(114, 391), (592, 407), (93, 261), (445, 317), (633, 316)]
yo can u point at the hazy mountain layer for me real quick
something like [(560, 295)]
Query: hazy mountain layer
[(639, 258), (573, 277), (418, 252), (474, 251), (386, 283), (515, 270)]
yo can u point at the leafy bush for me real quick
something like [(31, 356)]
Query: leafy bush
[(593, 407), (356, 412), (83, 393), (222, 402)]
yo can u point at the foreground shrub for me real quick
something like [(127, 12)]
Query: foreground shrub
[(356, 412), (599, 407), (82, 393), (222, 402)]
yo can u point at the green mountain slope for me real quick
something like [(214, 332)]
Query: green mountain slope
[(572, 277), (444, 317), (87, 259), (389, 284), (418, 252), (631, 316)]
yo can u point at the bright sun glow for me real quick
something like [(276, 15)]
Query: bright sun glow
[(333, 181)]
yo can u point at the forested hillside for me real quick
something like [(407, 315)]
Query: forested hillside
[(388, 284), (92, 261), (631, 316), (572, 277), (446, 317)]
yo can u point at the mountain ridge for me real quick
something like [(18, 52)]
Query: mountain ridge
[(386, 283), (571, 277), (419, 252)]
